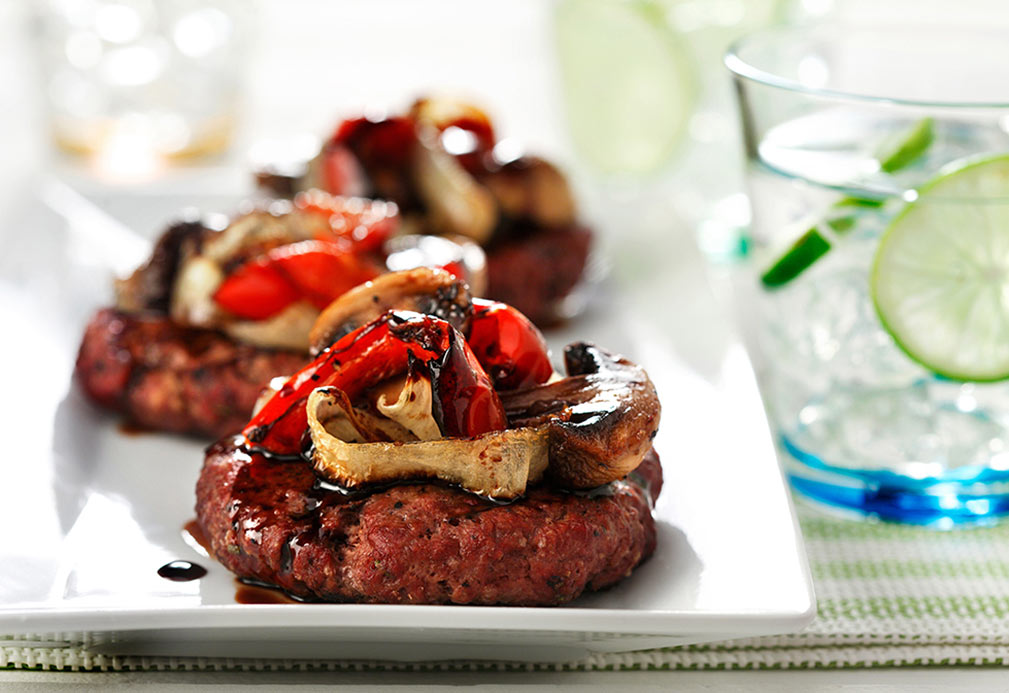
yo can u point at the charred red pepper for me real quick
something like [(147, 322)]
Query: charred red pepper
[(339, 171), (385, 149), (372, 353), (509, 347), (456, 269), (465, 130), (386, 143), (255, 291), (473, 158), (366, 224), (466, 398), (319, 271)]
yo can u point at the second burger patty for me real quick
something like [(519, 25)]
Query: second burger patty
[(170, 378), (535, 272)]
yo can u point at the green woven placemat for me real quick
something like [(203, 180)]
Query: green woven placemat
[(888, 596)]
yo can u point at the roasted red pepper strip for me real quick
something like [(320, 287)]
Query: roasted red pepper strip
[(456, 269), (366, 224), (372, 353), (256, 291), (473, 160), (508, 346), (466, 399), (340, 172), (387, 143), (320, 271), (385, 149)]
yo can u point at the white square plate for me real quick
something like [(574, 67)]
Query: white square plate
[(90, 513)]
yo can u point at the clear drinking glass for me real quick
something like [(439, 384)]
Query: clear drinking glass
[(847, 128), (132, 82)]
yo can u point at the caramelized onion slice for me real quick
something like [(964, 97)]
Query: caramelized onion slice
[(288, 329), (352, 425), (499, 464), (455, 201), (192, 301), (412, 408)]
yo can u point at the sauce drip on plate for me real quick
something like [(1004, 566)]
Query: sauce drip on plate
[(195, 532), (182, 571), (249, 593)]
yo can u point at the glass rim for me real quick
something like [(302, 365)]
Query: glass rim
[(739, 67)]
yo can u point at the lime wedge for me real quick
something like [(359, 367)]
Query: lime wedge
[(807, 249), (940, 278), (896, 152), (628, 82), (901, 148)]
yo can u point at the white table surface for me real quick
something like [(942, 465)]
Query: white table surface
[(287, 94)]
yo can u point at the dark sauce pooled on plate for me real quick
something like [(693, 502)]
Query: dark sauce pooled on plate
[(182, 571), (194, 531), (129, 427), (252, 592)]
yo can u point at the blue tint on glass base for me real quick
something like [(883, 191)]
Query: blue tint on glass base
[(967, 495)]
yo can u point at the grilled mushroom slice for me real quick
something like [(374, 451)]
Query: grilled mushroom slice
[(600, 419), (422, 290), (288, 329), (465, 257), (150, 285), (532, 189)]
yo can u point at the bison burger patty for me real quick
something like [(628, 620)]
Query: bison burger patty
[(170, 378), (270, 520), (534, 273)]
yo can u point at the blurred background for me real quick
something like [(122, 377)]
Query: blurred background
[(137, 97)]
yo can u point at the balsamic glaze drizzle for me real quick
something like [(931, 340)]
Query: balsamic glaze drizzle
[(182, 571)]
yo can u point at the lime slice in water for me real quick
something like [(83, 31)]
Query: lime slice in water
[(940, 278), (807, 249), (896, 152), (901, 148), (627, 80)]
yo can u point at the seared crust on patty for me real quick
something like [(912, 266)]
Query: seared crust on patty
[(268, 520), (170, 378)]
